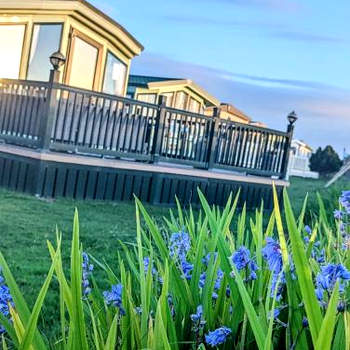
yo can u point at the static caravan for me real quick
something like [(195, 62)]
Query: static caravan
[(181, 94), (98, 50)]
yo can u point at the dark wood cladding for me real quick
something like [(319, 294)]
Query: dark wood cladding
[(55, 179)]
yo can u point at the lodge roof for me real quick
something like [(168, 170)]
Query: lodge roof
[(231, 109), (159, 82), (82, 7)]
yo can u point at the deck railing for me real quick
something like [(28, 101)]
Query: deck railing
[(52, 116)]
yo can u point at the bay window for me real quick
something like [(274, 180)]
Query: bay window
[(115, 76), (45, 41), (83, 62), (11, 44)]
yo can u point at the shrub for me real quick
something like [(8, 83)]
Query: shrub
[(200, 283), (325, 161)]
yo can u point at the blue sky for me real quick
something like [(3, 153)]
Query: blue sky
[(267, 57)]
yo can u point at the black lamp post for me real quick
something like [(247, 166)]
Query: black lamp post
[(57, 59), (292, 117)]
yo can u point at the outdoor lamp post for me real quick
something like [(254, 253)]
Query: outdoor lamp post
[(292, 118), (57, 59)]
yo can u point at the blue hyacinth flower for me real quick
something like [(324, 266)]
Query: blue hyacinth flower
[(272, 254), (327, 278), (217, 337), (344, 201), (242, 261), (114, 297), (5, 300), (87, 268), (338, 214), (179, 245)]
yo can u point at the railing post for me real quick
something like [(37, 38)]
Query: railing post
[(292, 118), (213, 137), (158, 130), (48, 118)]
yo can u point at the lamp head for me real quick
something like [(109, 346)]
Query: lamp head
[(292, 117), (57, 60)]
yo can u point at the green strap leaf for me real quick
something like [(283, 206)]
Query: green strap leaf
[(303, 270), (325, 336)]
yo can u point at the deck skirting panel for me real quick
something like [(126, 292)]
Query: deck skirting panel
[(53, 179)]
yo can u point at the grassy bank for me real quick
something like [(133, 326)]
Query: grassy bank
[(27, 222)]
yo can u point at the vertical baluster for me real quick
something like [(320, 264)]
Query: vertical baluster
[(254, 149), (7, 108), (32, 112), (57, 119), (275, 153), (144, 127), (19, 113), (195, 155), (78, 126), (13, 113), (114, 118), (245, 147), (257, 162), (119, 124), (72, 119), (66, 111), (100, 126), (2, 104), (280, 154), (25, 112), (106, 129)]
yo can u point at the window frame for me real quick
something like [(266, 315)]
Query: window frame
[(149, 94), (25, 24), (173, 95), (187, 97), (105, 69), (191, 98), (31, 40), (73, 33)]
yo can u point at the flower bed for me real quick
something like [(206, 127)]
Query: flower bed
[(196, 282)]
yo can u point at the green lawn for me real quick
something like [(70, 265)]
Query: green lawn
[(27, 222)]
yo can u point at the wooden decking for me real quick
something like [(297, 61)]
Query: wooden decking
[(137, 166)]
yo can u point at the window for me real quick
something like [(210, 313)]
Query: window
[(194, 106), (83, 63), (181, 100), (169, 98), (115, 76), (45, 41), (150, 98), (11, 43)]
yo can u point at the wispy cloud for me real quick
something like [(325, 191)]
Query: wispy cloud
[(308, 37), (275, 82), (318, 105), (272, 29), (280, 5), (220, 21)]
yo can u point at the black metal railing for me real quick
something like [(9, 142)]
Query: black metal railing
[(22, 106), (53, 116), (90, 122)]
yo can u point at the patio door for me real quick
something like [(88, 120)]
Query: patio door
[(84, 62)]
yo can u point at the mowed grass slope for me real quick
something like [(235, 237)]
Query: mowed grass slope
[(26, 223)]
